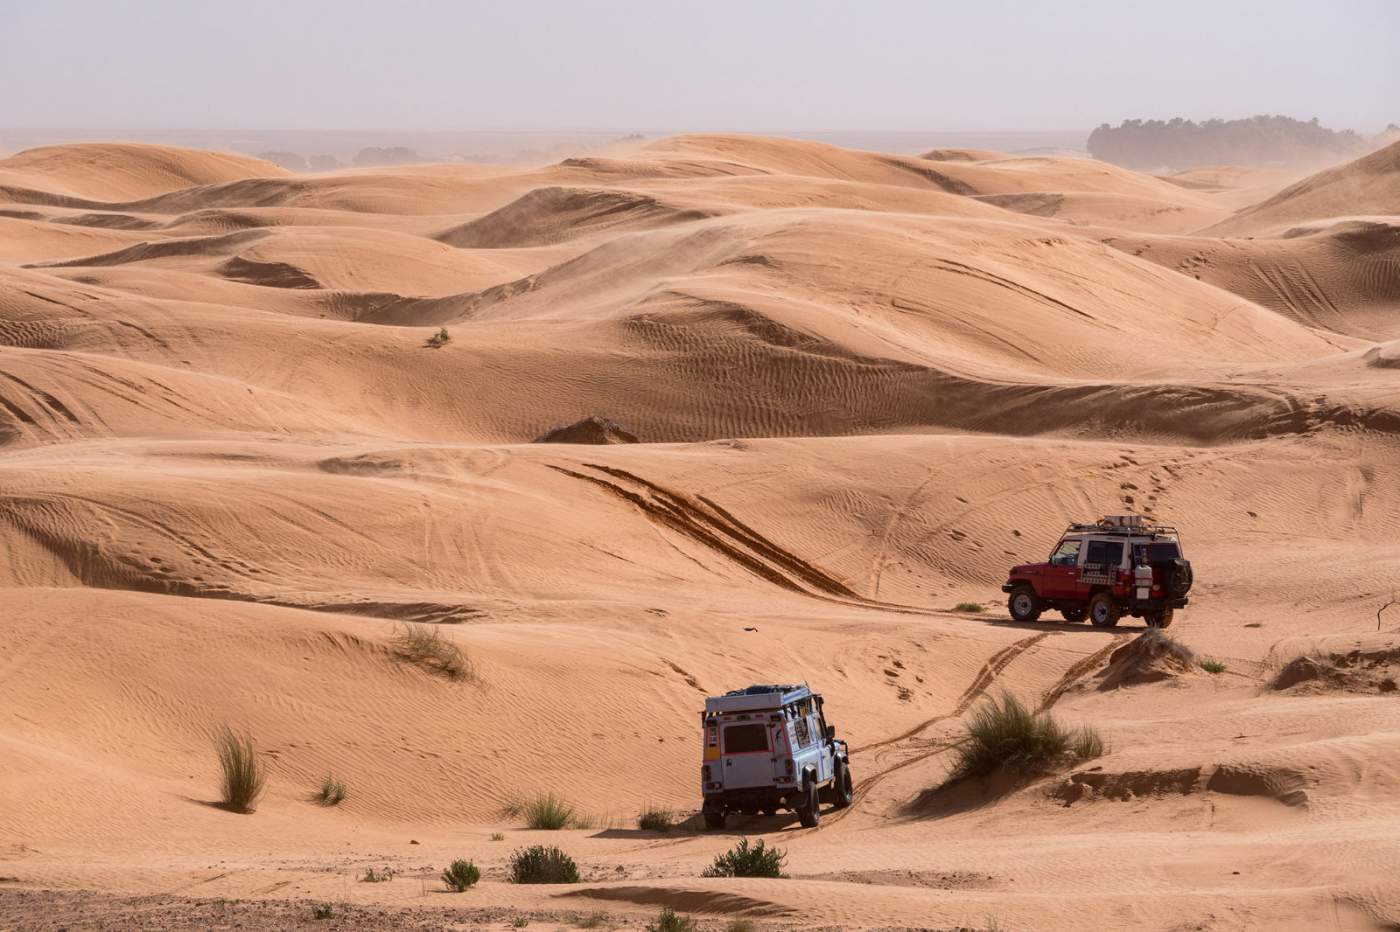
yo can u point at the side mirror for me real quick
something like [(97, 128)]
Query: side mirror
[(831, 732)]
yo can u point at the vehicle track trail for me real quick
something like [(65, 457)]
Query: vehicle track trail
[(883, 750), (706, 522)]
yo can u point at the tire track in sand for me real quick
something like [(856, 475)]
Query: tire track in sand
[(986, 676)]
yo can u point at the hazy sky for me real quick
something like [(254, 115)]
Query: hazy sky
[(712, 65)]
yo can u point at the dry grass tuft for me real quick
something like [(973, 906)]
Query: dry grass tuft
[(1005, 736), (244, 777), (429, 648)]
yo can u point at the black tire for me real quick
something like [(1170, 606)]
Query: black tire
[(810, 812), (1023, 603), (1104, 610), (1162, 619), (1180, 578), (1075, 615), (843, 790), (714, 819)]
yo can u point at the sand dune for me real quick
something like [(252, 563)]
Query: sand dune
[(1366, 187), (231, 463)]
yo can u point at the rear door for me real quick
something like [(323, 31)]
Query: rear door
[(1100, 565), (746, 753)]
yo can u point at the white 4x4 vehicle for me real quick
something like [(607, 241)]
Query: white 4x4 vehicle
[(769, 748)]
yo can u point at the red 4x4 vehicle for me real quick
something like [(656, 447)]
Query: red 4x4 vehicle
[(1119, 566)]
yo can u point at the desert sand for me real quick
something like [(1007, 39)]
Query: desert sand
[(865, 385)]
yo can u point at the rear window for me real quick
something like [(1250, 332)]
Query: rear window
[(1109, 552), (1156, 553), (745, 739)]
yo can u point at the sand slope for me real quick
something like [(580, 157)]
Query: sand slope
[(232, 466)]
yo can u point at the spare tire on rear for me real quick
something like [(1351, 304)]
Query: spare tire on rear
[(1179, 577)]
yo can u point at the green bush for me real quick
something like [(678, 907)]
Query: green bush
[(538, 864), (745, 861), (460, 875), (1212, 666), (1006, 736), (973, 607), (244, 777), (653, 819), (441, 338), (547, 811), (671, 921), (332, 791)]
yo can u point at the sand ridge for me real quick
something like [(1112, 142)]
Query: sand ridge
[(232, 463)]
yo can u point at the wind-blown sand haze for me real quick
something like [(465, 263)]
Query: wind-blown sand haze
[(865, 384)]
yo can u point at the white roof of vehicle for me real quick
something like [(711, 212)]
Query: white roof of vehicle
[(755, 698)]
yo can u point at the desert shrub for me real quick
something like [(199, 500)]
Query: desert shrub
[(972, 607), (538, 864), (382, 875), (460, 875), (519, 922), (427, 647), (547, 811), (321, 911), (653, 819), (498, 836), (244, 776), (1006, 736), (745, 861), (441, 338), (671, 921), (332, 791), (1212, 666)]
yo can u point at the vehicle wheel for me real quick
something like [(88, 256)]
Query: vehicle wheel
[(1023, 604), (810, 812), (1162, 619), (1104, 610), (1075, 615), (714, 819), (843, 789)]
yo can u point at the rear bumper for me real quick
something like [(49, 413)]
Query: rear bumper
[(758, 797)]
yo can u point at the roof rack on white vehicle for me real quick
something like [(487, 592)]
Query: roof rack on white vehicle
[(753, 698), (1125, 525)]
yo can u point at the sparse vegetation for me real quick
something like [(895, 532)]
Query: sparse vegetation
[(741, 925), (538, 864), (519, 922), (440, 339), (654, 819), (383, 875), (972, 607), (244, 776), (1006, 736), (430, 649), (1212, 666), (547, 811), (498, 836), (594, 920), (461, 875), (321, 911), (671, 921), (744, 860), (332, 791)]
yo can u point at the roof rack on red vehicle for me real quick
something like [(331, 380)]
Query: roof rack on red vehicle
[(1125, 525)]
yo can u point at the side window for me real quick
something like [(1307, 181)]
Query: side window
[(804, 732), (1067, 554), (1105, 552)]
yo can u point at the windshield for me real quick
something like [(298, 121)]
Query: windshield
[(1067, 554)]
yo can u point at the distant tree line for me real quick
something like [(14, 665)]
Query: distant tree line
[(1258, 140)]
